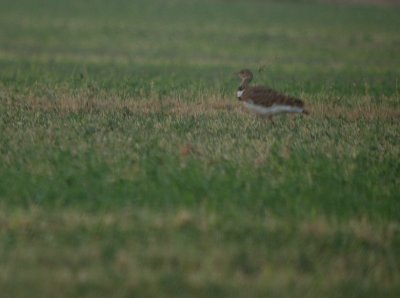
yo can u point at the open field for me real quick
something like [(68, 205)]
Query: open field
[(129, 169)]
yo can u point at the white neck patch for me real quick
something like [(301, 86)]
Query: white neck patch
[(239, 93)]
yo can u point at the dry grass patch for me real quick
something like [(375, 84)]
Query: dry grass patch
[(367, 111), (361, 229), (104, 103), (363, 2)]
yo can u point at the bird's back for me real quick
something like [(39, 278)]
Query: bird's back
[(267, 97)]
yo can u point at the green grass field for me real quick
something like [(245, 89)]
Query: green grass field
[(129, 169)]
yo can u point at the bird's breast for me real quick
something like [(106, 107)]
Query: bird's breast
[(239, 94)]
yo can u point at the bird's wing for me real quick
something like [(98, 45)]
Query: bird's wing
[(267, 97)]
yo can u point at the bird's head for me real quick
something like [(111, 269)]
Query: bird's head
[(245, 75)]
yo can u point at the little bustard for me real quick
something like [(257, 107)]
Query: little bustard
[(264, 101)]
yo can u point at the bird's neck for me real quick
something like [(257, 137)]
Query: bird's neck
[(244, 83)]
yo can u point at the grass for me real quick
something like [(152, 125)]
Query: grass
[(128, 168)]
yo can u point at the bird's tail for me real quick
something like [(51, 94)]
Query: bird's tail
[(295, 102), (300, 104)]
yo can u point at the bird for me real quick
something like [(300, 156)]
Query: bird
[(265, 101)]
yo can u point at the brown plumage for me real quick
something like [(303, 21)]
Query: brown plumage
[(267, 97), (266, 101)]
